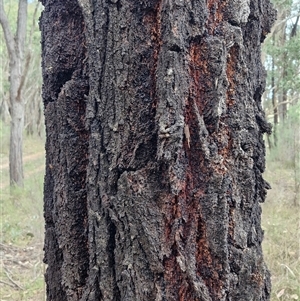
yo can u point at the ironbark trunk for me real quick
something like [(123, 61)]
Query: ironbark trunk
[(154, 149)]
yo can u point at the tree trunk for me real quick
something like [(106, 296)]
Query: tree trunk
[(274, 103), (16, 48), (17, 109), (154, 149)]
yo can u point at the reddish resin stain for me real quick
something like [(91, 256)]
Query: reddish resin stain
[(198, 71), (186, 206), (216, 11), (152, 20), (184, 209), (230, 72)]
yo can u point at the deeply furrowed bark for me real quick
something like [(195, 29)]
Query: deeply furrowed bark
[(65, 84), (157, 198)]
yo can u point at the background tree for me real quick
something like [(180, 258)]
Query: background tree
[(16, 49), (34, 117), (154, 148), (281, 99), (20, 80)]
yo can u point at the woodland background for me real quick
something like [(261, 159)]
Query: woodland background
[(21, 209)]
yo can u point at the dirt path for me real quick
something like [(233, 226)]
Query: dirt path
[(27, 158)]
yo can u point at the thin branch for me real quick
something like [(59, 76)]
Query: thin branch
[(6, 271), (282, 103), (277, 24), (23, 77), (278, 105), (21, 26), (6, 283), (9, 38)]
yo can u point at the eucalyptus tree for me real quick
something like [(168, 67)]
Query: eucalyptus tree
[(155, 149), (281, 99), (282, 63), (15, 44), (20, 77)]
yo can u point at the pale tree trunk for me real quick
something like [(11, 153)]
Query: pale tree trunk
[(280, 93), (274, 94), (16, 48), (155, 149), (282, 109), (16, 143)]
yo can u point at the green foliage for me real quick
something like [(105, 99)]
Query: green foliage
[(281, 99), (287, 148), (281, 210), (282, 60)]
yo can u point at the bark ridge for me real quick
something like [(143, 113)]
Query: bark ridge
[(155, 149)]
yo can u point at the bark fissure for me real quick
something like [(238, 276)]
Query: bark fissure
[(171, 179), (111, 251)]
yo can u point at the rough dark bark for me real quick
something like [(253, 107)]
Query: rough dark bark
[(65, 84), (157, 198)]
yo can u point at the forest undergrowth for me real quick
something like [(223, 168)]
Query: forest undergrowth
[(281, 225), (22, 230)]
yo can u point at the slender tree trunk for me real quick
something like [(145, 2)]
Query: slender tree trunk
[(296, 166), (283, 106), (281, 42), (16, 48), (154, 148), (274, 104), (17, 109)]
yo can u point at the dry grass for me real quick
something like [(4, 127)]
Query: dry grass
[(22, 230), (281, 223)]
